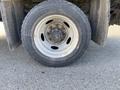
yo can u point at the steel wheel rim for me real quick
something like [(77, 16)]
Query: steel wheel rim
[(48, 47)]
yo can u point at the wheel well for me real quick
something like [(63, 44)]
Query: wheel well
[(83, 4), (115, 12)]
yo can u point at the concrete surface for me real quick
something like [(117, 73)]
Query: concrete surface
[(99, 68)]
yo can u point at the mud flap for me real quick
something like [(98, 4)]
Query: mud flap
[(99, 17), (12, 16)]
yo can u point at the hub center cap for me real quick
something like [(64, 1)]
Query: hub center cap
[(56, 35)]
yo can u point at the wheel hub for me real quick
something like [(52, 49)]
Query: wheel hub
[(56, 35)]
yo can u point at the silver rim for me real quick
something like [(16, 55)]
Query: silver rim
[(56, 36)]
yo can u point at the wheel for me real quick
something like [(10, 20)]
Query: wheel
[(56, 33)]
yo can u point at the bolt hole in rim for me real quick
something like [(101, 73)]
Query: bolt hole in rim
[(61, 42)]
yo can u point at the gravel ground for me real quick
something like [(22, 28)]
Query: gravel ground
[(98, 69)]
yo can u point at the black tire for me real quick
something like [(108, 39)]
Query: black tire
[(57, 7)]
